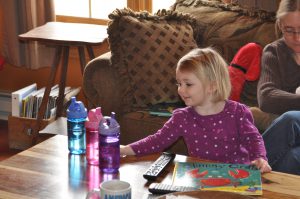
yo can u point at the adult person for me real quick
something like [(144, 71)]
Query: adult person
[(277, 90)]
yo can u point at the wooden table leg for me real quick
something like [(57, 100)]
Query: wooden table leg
[(91, 56), (62, 83), (90, 52), (81, 58), (43, 106)]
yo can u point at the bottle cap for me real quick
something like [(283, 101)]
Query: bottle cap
[(109, 125), (76, 109), (94, 117)]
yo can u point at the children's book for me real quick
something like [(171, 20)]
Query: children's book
[(238, 178)]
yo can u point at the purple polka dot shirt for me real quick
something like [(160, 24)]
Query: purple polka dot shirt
[(229, 136)]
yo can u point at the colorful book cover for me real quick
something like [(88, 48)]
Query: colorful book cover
[(238, 178), (164, 109)]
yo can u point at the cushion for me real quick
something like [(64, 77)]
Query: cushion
[(228, 27), (145, 50), (244, 66)]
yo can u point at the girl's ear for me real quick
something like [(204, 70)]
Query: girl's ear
[(212, 87)]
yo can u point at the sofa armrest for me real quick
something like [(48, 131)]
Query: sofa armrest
[(101, 85)]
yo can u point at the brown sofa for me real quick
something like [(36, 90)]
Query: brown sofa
[(121, 79)]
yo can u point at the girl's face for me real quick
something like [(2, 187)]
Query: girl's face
[(290, 27), (192, 91)]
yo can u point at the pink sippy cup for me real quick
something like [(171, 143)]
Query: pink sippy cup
[(92, 136)]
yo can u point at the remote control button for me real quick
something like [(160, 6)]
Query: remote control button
[(158, 166), (159, 188)]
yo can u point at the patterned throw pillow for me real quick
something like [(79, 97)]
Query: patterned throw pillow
[(228, 27), (145, 50)]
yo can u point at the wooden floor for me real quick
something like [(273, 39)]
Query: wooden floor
[(5, 152)]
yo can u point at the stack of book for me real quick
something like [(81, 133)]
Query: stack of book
[(26, 101)]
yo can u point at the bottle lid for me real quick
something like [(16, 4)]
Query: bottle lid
[(94, 118), (109, 125), (76, 109)]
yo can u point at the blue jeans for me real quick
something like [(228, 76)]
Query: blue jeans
[(282, 141)]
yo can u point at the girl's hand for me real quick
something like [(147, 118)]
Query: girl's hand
[(262, 165), (126, 150)]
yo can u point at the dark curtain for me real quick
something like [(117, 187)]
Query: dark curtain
[(20, 16)]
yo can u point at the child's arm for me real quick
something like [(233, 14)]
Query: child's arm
[(126, 150), (253, 141), (262, 165)]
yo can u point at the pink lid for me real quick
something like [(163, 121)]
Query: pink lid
[(94, 117)]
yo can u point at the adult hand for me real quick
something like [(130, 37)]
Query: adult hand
[(262, 165), (298, 90)]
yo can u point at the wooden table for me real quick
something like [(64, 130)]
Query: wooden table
[(63, 36), (48, 171)]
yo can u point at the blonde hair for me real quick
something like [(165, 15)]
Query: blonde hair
[(209, 67), (285, 7)]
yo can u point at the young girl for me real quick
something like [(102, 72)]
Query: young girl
[(213, 127)]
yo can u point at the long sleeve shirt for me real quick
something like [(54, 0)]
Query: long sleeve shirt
[(229, 136), (280, 76)]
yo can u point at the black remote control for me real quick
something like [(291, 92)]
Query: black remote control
[(159, 188), (158, 166)]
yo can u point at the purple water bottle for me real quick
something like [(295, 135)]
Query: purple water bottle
[(92, 136), (109, 146)]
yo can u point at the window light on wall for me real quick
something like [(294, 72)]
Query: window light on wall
[(99, 9)]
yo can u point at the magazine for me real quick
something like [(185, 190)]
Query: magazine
[(238, 178)]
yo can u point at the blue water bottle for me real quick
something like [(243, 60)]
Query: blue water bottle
[(109, 145), (76, 117)]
